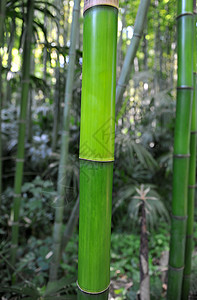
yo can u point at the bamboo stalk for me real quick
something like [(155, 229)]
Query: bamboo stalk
[(192, 176), (22, 127), (57, 231), (131, 52), (97, 144), (2, 19), (57, 101), (181, 148), (70, 226)]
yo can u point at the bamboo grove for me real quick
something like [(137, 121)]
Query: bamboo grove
[(94, 124)]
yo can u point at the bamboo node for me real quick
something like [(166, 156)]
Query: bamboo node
[(176, 269), (21, 121), (181, 155), (179, 218), (184, 14), (14, 223), (91, 3), (184, 87), (121, 85), (25, 81), (194, 132), (92, 293), (20, 160), (137, 35), (17, 195), (192, 186), (189, 236), (76, 9)]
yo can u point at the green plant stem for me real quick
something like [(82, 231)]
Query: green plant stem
[(181, 148), (192, 177), (22, 128), (57, 91), (2, 19), (97, 147), (131, 52), (70, 226), (57, 230)]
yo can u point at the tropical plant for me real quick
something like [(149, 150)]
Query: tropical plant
[(181, 148), (97, 145)]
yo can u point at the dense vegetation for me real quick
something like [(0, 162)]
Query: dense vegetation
[(39, 42)]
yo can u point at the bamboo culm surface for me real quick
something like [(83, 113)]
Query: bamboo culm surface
[(131, 52), (192, 175), (22, 128), (61, 185), (97, 146), (181, 148)]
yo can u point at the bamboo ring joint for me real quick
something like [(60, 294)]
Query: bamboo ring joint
[(176, 269), (179, 218), (91, 3), (137, 35), (181, 155), (184, 14), (92, 293)]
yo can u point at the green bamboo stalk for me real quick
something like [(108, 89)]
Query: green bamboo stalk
[(56, 116), (192, 176), (131, 52), (181, 148), (22, 128), (70, 226), (97, 144), (2, 19), (57, 231), (9, 62)]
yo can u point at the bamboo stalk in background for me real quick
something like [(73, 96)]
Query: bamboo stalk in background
[(131, 52), (192, 176), (2, 19), (56, 117), (22, 128), (181, 148), (97, 144), (70, 226), (57, 230)]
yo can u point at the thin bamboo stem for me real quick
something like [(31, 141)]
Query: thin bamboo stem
[(22, 128), (62, 172), (181, 148), (131, 52), (2, 19)]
